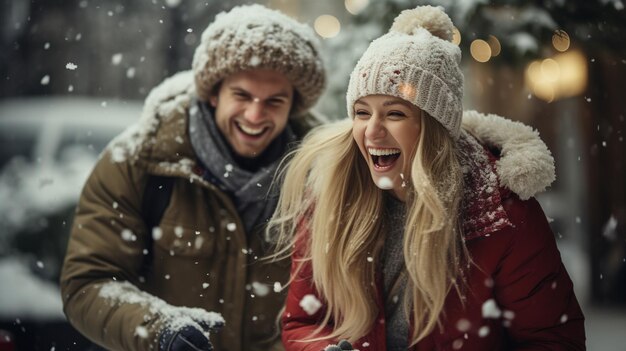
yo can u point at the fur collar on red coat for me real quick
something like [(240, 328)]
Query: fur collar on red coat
[(498, 156)]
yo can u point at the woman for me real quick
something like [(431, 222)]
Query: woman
[(412, 232)]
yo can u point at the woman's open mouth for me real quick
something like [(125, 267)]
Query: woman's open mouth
[(384, 159)]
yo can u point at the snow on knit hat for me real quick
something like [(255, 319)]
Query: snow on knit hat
[(255, 37), (415, 61)]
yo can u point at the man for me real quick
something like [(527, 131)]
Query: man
[(205, 150)]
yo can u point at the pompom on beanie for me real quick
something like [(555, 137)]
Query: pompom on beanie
[(415, 61), (255, 37)]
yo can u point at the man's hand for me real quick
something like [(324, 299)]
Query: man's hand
[(342, 345), (188, 338)]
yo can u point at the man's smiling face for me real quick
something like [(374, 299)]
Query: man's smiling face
[(252, 109)]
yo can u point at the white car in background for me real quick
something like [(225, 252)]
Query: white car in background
[(48, 147)]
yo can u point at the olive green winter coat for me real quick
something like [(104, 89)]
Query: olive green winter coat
[(200, 258)]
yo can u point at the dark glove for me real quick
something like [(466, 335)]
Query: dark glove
[(342, 345), (186, 339)]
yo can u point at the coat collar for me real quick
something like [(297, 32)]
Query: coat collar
[(481, 206), (520, 164)]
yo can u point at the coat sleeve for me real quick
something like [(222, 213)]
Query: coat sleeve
[(106, 247), (532, 282), (298, 324)]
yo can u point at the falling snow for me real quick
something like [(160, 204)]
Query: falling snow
[(483, 331), (127, 235), (610, 227), (178, 231), (463, 325), (172, 3), (141, 332), (385, 183), (310, 304), (508, 314), (490, 309), (157, 233), (260, 289), (116, 59), (130, 72), (71, 66)]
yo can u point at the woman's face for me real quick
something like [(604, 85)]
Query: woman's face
[(387, 130)]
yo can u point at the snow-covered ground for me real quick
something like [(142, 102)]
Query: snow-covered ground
[(605, 328), (25, 296)]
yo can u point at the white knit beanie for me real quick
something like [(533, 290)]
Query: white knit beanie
[(416, 61), (255, 37)]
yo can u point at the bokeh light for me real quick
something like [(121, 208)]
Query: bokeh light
[(456, 36), (480, 50), (560, 40), (563, 75), (356, 6), (327, 26), (550, 70), (495, 46)]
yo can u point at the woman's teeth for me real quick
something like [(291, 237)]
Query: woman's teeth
[(382, 152)]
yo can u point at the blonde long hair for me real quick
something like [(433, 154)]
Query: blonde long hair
[(328, 174)]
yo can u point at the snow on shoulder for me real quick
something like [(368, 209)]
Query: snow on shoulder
[(173, 317), (173, 93)]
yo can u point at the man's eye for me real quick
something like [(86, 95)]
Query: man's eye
[(275, 102), (241, 96)]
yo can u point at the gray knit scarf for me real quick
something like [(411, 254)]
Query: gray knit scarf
[(394, 274), (250, 191)]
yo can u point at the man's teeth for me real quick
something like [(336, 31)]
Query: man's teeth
[(250, 130), (382, 152)]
